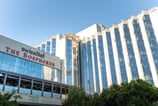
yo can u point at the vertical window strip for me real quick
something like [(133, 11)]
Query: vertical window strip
[(90, 67), (120, 54), (152, 38), (96, 66), (131, 55), (111, 58), (142, 52), (102, 62)]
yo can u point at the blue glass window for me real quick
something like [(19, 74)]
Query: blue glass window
[(21, 66), (130, 52), (90, 67), (102, 62), (152, 39), (142, 52), (48, 47), (84, 68), (120, 54), (69, 80), (53, 47), (111, 58), (43, 48), (68, 55), (96, 66)]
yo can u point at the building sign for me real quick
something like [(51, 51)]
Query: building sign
[(23, 51), (30, 55), (37, 53)]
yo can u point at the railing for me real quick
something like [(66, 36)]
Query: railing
[(30, 85)]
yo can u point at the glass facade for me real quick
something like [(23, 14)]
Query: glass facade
[(48, 47), (76, 64), (43, 48), (84, 68), (120, 55), (69, 79), (25, 67), (111, 58), (96, 66), (131, 55), (102, 62), (53, 47), (152, 39), (90, 67), (30, 85), (142, 52), (69, 60), (68, 55)]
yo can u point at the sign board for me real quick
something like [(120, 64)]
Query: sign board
[(18, 49)]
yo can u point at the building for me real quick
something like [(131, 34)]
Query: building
[(94, 58), (32, 73), (107, 56), (65, 46), (121, 53)]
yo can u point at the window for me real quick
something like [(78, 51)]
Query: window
[(56, 89), (152, 38), (47, 87), (142, 52), (53, 47), (12, 80), (111, 58), (2, 78), (48, 47), (102, 62), (96, 66), (68, 55), (130, 52), (37, 85), (90, 67), (25, 83), (120, 54)]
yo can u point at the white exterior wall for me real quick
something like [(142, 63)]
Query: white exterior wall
[(61, 52), (148, 49), (154, 20), (88, 32)]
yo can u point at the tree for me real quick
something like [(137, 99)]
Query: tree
[(76, 97), (95, 100), (9, 98), (135, 93)]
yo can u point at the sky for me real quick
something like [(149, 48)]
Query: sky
[(32, 21)]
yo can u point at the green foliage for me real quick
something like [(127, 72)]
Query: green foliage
[(9, 99), (76, 97), (135, 93)]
